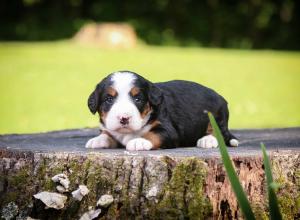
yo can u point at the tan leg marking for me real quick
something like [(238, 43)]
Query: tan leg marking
[(154, 138), (209, 129)]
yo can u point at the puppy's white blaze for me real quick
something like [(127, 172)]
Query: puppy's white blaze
[(123, 82), (208, 141), (234, 142)]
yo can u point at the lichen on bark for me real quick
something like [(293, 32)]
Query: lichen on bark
[(286, 171), (146, 187), (184, 195)]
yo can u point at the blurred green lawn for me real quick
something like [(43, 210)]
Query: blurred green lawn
[(44, 86)]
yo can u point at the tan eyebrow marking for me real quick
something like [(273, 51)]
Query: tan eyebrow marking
[(134, 91), (111, 91)]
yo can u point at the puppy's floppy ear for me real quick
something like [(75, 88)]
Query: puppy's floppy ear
[(93, 101), (94, 98), (155, 95)]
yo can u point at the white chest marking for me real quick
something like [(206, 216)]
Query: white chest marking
[(125, 138)]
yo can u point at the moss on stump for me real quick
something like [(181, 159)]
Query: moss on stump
[(145, 187)]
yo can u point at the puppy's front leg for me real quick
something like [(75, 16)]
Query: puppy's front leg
[(208, 141), (102, 141), (148, 141)]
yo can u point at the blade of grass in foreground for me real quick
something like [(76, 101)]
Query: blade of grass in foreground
[(273, 204), (235, 183)]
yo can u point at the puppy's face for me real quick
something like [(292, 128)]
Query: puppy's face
[(124, 101)]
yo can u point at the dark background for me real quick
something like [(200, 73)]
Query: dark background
[(210, 23)]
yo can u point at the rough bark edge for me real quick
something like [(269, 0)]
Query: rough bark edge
[(185, 187)]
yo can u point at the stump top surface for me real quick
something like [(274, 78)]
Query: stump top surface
[(73, 141)]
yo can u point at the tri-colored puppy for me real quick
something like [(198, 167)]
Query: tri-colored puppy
[(142, 115)]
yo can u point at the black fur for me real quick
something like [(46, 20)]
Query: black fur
[(98, 99), (183, 116), (178, 105)]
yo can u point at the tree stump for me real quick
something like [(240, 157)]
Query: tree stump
[(181, 183), (107, 35)]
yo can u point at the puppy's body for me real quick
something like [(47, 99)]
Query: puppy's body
[(142, 115), (184, 107)]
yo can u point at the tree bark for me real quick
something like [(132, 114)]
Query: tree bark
[(145, 185)]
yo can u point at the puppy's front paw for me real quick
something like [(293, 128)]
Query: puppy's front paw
[(234, 143), (139, 144), (208, 141), (101, 141)]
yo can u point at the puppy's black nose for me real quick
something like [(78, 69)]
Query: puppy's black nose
[(124, 120)]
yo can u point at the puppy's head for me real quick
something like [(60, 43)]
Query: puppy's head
[(124, 101)]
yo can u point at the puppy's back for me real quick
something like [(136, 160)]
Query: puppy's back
[(185, 103)]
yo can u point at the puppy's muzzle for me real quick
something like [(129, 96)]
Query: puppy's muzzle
[(124, 120)]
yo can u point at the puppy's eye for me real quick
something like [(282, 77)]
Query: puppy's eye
[(137, 99), (109, 99)]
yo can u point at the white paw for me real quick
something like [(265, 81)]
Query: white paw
[(208, 141), (234, 143), (139, 144), (101, 141)]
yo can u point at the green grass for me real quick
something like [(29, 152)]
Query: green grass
[(235, 182), (232, 176), (275, 213), (44, 86)]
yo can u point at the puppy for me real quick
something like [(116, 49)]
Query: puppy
[(142, 115)]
